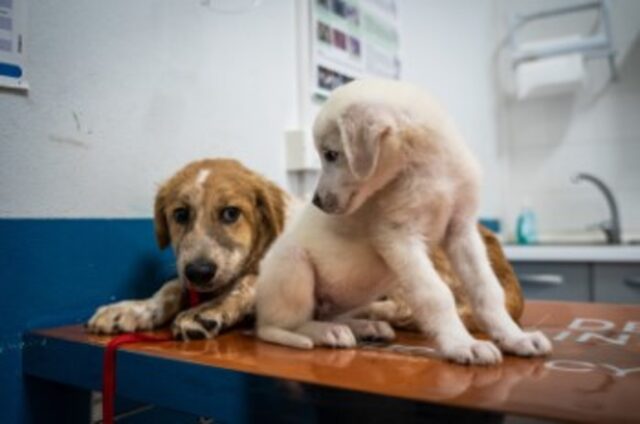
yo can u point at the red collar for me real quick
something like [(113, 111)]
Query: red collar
[(194, 297)]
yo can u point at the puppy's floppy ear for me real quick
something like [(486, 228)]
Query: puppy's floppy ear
[(160, 218), (362, 129), (270, 205), (269, 202)]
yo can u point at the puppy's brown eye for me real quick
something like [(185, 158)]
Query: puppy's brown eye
[(181, 215), (229, 215), (331, 155)]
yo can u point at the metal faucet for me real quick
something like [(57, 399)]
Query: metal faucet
[(610, 227)]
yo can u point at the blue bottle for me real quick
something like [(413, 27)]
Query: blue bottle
[(526, 227)]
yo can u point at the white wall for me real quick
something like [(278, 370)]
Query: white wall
[(596, 130), (123, 93)]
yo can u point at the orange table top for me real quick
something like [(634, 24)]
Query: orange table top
[(593, 374)]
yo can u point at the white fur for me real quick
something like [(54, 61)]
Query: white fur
[(202, 176), (138, 315), (407, 183)]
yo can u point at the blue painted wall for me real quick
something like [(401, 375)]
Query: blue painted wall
[(57, 271)]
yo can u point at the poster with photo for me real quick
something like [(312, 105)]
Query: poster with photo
[(352, 39), (12, 27)]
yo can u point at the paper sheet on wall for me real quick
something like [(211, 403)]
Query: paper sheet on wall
[(12, 37), (352, 39)]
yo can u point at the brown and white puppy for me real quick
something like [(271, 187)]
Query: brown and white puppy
[(397, 183), (220, 219)]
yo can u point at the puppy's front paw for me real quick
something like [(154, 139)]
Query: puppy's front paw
[(473, 352), (125, 316), (195, 324), (526, 344)]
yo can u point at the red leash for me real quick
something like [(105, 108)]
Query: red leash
[(109, 369), (109, 365)]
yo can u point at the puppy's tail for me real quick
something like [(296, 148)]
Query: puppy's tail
[(284, 337)]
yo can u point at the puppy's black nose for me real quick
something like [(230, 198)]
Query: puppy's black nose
[(200, 272), (317, 201)]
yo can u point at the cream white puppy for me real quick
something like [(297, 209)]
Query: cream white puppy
[(396, 181)]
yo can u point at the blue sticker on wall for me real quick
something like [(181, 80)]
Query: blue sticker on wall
[(9, 70)]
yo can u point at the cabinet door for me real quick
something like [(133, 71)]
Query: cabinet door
[(554, 280), (617, 283)]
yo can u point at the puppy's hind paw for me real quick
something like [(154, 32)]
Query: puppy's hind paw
[(283, 337), (533, 343), (476, 352), (368, 330), (329, 334), (339, 336)]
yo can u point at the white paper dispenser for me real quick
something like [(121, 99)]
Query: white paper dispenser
[(553, 66)]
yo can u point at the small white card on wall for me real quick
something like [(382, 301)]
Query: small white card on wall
[(12, 44)]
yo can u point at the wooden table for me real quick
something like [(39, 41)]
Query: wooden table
[(592, 376)]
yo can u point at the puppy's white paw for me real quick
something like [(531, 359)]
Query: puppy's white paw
[(473, 352), (526, 344), (332, 335), (194, 324), (125, 316), (371, 330)]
